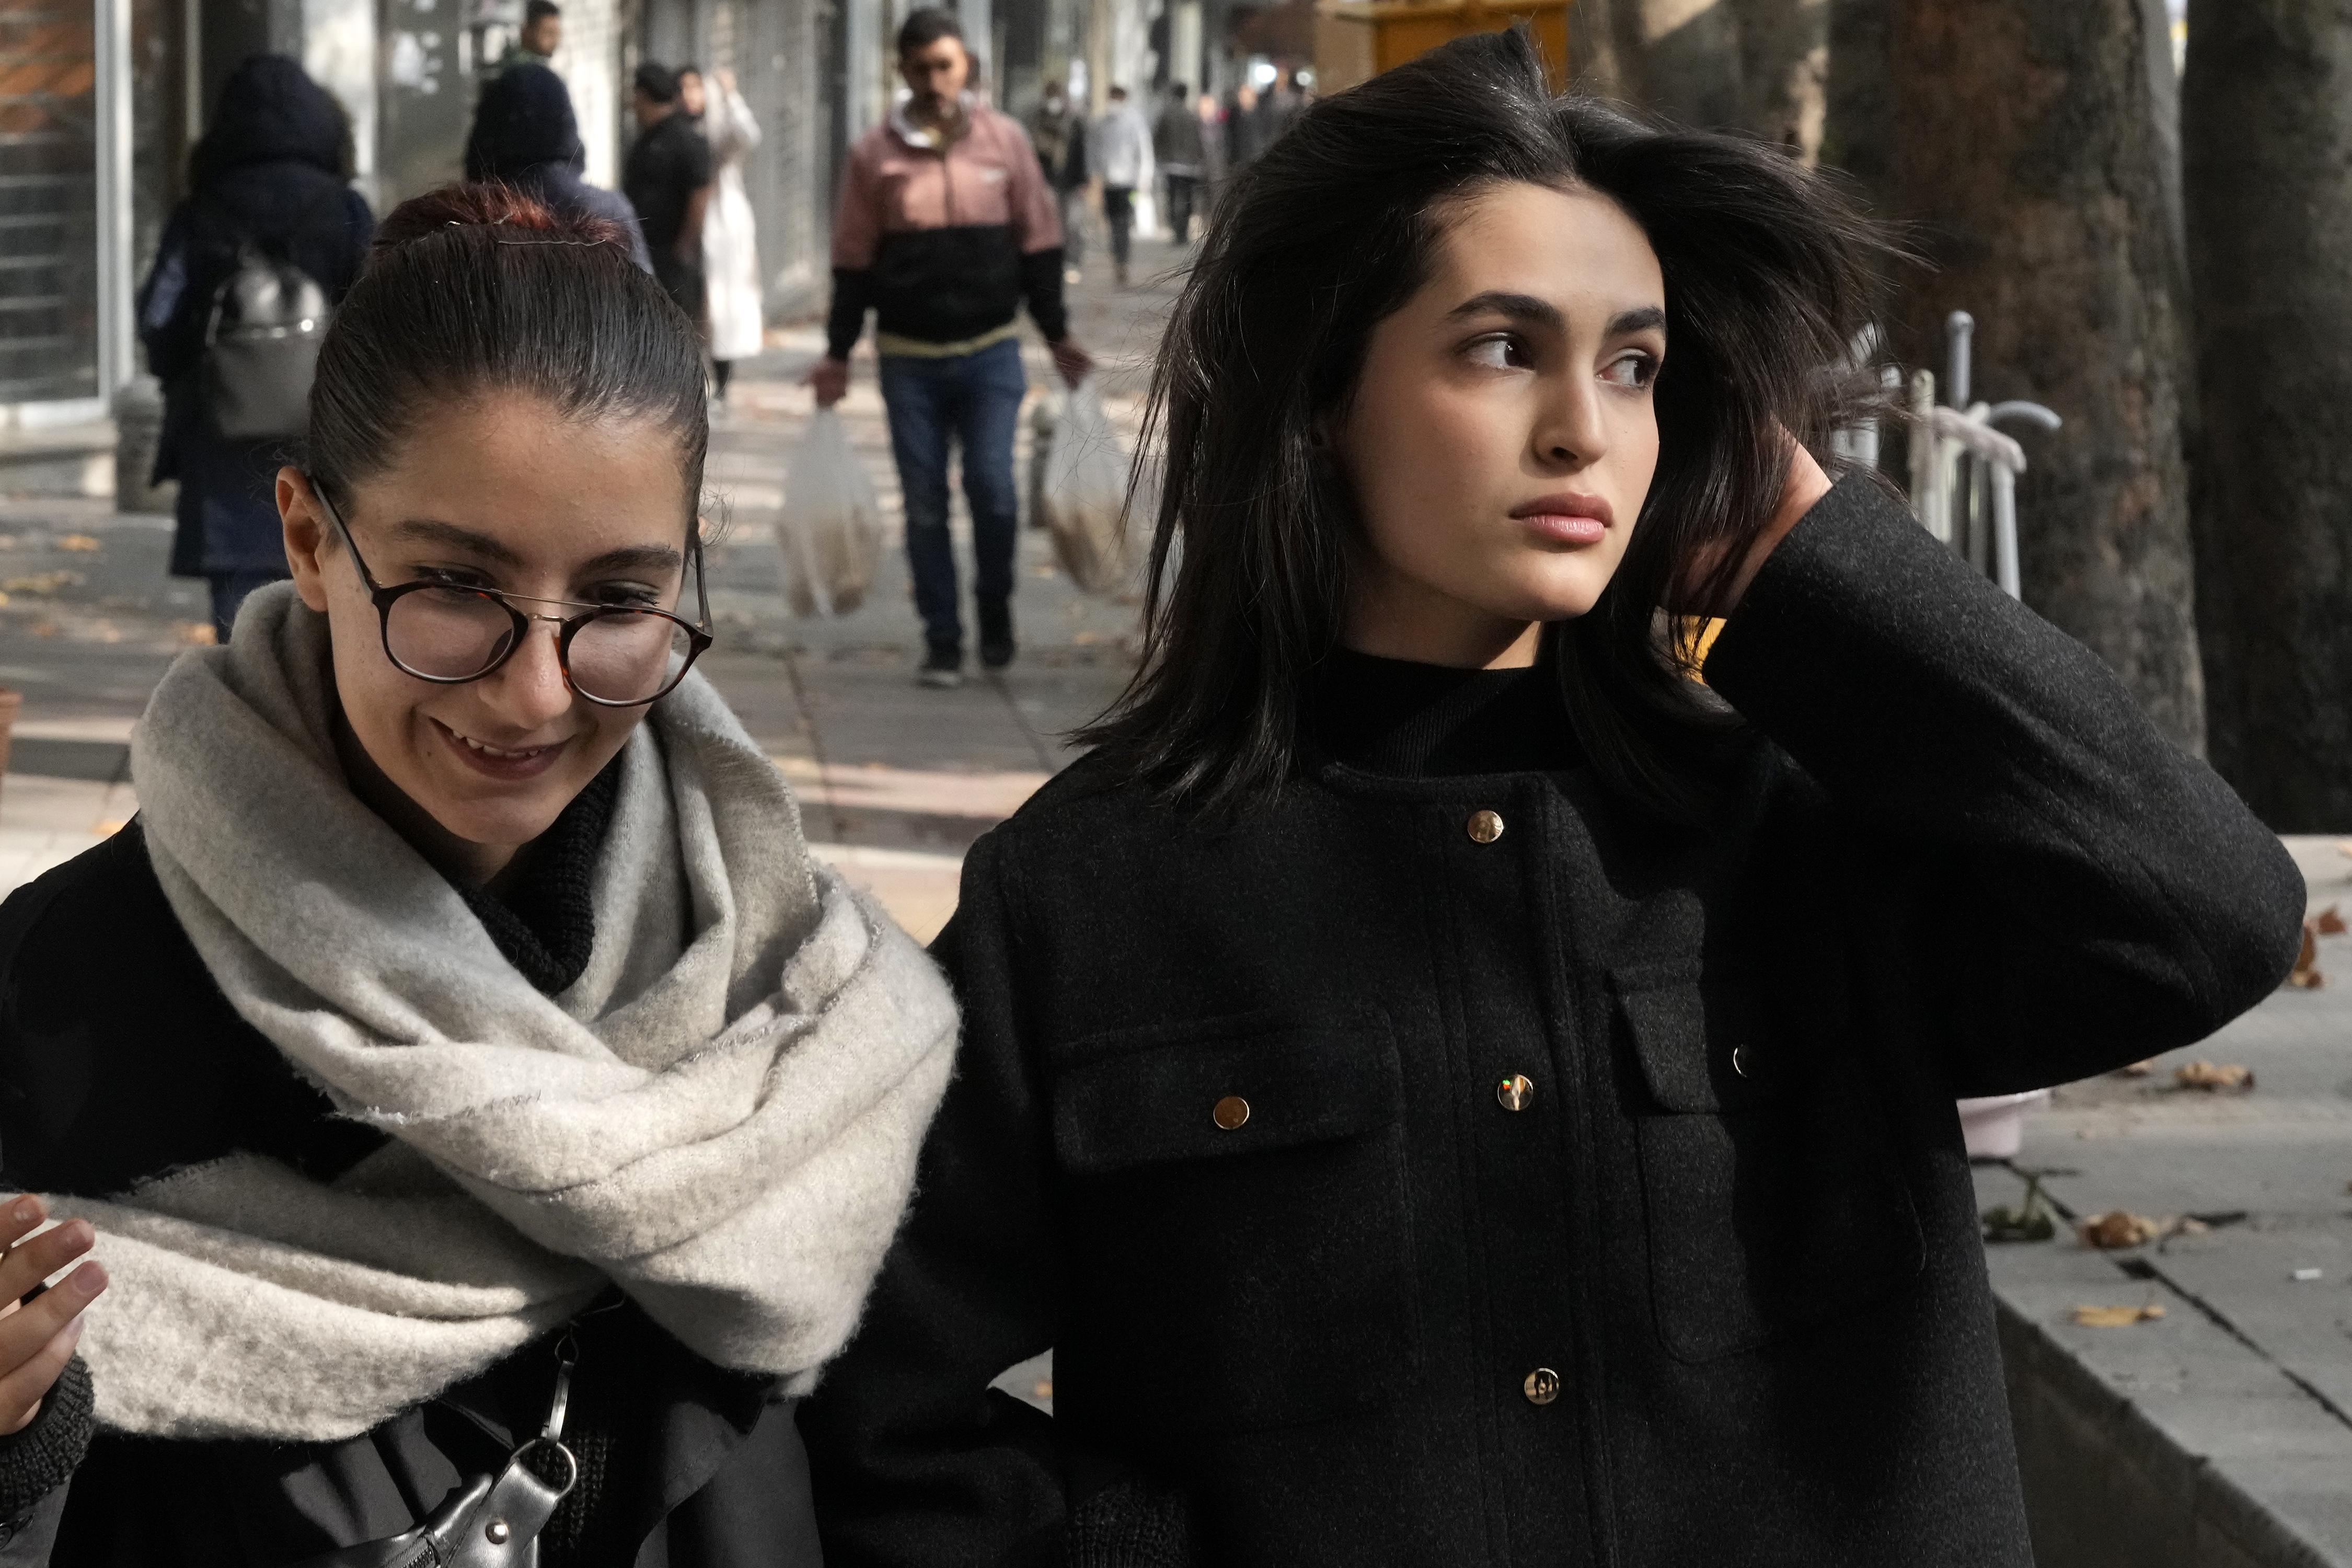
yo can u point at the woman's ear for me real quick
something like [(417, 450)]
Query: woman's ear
[(307, 536)]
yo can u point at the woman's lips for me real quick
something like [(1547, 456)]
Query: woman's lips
[(511, 764), (1570, 520)]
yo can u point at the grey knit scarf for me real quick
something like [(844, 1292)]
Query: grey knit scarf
[(720, 1115)]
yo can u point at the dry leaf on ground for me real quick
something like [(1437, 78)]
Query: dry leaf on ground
[(2329, 923), (2305, 975), (79, 541), (2215, 1077), (2137, 1069), (2117, 1229), (2115, 1317)]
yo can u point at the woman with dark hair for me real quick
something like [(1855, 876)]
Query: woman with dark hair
[(504, 1113), (1447, 1087), (525, 135), (269, 176)]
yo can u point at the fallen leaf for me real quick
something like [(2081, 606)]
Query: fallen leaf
[(2137, 1069), (2305, 975), (1044, 1391), (2215, 1077), (79, 541), (2329, 923), (2117, 1229), (2115, 1317)]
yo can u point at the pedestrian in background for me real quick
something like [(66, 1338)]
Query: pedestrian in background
[(730, 239), (1058, 132), (1176, 146), (1244, 132), (541, 36), (945, 225), (667, 181), (1217, 160), (271, 175), (462, 1044), (1450, 1088), (1120, 150), (525, 135)]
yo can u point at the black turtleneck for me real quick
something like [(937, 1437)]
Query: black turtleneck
[(1402, 719)]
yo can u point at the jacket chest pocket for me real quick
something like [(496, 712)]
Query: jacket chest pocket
[(1238, 1207), (1774, 1200)]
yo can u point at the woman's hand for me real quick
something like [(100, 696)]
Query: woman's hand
[(1805, 485), (38, 1337)]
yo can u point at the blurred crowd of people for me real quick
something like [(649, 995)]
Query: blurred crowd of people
[(271, 176), (1186, 149)]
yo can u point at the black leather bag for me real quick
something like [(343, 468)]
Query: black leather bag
[(261, 349), (488, 1522)]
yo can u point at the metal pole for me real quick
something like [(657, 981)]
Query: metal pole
[(1959, 333), (116, 333), (2004, 529)]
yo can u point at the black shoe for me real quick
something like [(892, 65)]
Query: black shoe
[(995, 636), (942, 667)]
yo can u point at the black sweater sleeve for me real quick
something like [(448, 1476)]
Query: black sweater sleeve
[(2088, 893), (1041, 285), (914, 1460), (852, 296), (39, 1460)]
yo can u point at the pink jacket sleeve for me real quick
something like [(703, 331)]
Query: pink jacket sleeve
[(858, 214)]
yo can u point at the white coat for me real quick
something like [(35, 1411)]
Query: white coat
[(730, 249)]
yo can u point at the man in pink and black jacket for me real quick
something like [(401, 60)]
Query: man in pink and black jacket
[(946, 224)]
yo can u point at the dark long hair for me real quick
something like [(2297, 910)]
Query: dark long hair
[(479, 287), (1770, 281)]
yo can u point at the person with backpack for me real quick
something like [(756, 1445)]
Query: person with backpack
[(269, 197)]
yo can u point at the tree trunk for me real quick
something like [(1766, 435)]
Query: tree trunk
[(2267, 137), (2020, 138)]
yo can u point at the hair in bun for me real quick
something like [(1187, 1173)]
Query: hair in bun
[(490, 204), (474, 289)]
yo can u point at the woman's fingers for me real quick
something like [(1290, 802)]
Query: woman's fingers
[(22, 1390), (19, 1216), (29, 1263)]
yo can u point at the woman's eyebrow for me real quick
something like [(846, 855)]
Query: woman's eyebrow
[(1517, 307), (1543, 313), (424, 530), (635, 558)]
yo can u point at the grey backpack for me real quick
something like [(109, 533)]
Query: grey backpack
[(261, 348)]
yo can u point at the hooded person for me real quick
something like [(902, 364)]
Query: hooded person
[(270, 174), (526, 135)]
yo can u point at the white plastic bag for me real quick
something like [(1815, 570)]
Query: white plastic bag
[(1084, 495), (831, 532)]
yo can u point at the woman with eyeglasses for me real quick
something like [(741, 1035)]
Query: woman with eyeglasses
[(482, 1116)]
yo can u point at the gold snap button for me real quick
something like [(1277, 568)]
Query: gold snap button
[(1741, 1062), (497, 1532), (1542, 1386), (1514, 1092), (1230, 1111), (1484, 826)]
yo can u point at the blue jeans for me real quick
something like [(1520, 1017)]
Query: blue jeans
[(974, 399)]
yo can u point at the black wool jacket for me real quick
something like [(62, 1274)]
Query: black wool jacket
[(1238, 1130), (121, 1059)]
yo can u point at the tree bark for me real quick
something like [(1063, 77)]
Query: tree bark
[(2267, 137), (2019, 139)]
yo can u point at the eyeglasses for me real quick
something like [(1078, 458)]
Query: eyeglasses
[(615, 655)]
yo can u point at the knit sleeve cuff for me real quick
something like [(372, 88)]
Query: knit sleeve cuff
[(42, 1458), (1130, 1524)]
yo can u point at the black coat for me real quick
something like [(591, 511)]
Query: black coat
[(1733, 1226), (120, 1059), (268, 173)]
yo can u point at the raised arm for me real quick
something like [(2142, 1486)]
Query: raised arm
[(2086, 892)]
